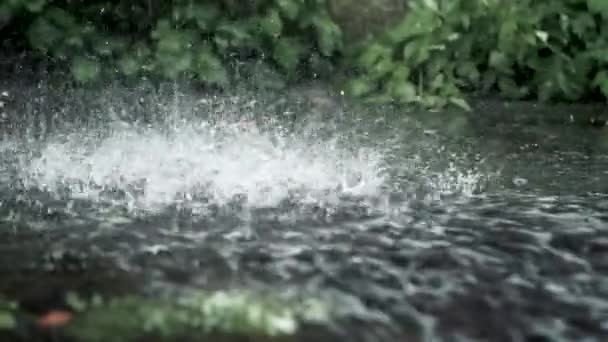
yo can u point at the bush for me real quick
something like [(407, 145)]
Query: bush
[(180, 38), (543, 49), (440, 50)]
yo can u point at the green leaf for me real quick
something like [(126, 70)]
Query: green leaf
[(498, 60), (461, 103), (287, 54), (418, 22), (128, 65), (35, 5), (431, 4), (598, 6), (381, 68), (106, 46), (76, 41), (60, 18), (360, 87), (583, 23), (372, 54), (403, 92), (433, 102), (417, 52), (209, 67), (401, 72), (378, 99), (601, 81), (600, 54), (438, 82), (289, 8), (508, 87), (85, 70), (6, 14), (271, 24), (42, 35), (163, 26), (469, 71), (7, 320), (236, 34), (141, 50), (329, 35), (174, 41), (76, 303), (546, 90), (205, 15), (542, 35), (174, 64), (183, 62)]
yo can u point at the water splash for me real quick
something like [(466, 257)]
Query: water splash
[(456, 181), (197, 164), (181, 151)]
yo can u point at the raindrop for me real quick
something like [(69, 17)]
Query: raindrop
[(518, 181)]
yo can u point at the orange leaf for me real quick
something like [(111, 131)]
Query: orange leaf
[(54, 319)]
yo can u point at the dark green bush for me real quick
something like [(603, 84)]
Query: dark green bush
[(189, 38), (442, 49), (544, 49)]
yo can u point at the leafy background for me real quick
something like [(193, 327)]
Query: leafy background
[(546, 50), (170, 39), (549, 50)]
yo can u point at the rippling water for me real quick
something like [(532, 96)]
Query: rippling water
[(495, 232)]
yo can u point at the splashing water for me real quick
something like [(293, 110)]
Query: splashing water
[(196, 164), (198, 155), (425, 267), (453, 180)]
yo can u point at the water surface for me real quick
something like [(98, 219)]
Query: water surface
[(490, 226)]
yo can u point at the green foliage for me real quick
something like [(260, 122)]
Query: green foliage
[(550, 50), (442, 49), (7, 320), (235, 313), (9, 9), (7, 315), (198, 39)]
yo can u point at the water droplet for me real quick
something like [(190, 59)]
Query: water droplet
[(517, 181)]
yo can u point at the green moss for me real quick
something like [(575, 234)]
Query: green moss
[(7, 320), (231, 313), (7, 314)]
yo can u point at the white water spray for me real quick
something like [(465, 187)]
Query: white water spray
[(196, 164), (198, 160)]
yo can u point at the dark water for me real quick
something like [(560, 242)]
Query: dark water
[(489, 226)]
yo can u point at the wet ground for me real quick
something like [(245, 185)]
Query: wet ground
[(488, 226)]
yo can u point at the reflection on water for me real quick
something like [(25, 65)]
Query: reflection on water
[(422, 234)]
